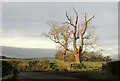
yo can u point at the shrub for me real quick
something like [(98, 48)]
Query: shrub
[(8, 68), (45, 65), (113, 67), (60, 66), (53, 65), (77, 66)]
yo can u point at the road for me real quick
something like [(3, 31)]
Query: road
[(36, 76)]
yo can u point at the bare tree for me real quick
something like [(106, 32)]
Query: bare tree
[(79, 31), (59, 34), (81, 34)]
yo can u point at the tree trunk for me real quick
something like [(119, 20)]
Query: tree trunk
[(77, 58), (63, 58), (81, 58)]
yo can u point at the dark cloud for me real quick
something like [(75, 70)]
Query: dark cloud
[(29, 19)]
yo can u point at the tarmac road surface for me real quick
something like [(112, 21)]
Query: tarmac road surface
[(39, 76)]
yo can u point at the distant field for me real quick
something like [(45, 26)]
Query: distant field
[(94, 64)]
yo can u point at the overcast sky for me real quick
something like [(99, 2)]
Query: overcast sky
[(24, 22)]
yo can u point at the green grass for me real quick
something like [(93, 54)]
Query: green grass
[(93, 64)]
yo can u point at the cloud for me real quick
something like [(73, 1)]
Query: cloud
[(111, 51), (28, 42), (29, 19)]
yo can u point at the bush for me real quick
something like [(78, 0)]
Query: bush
[(113, 67), (59, 55), (8, 68), (53, 64), (78, 66), (60, 66), (69, 57), (44, 65)]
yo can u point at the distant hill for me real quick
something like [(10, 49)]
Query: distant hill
[(27, 52), (5, 57), (42, 58)]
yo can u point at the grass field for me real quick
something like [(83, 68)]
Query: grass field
[(94, 64)]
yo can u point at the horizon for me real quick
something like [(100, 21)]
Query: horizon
[(24, 55)]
